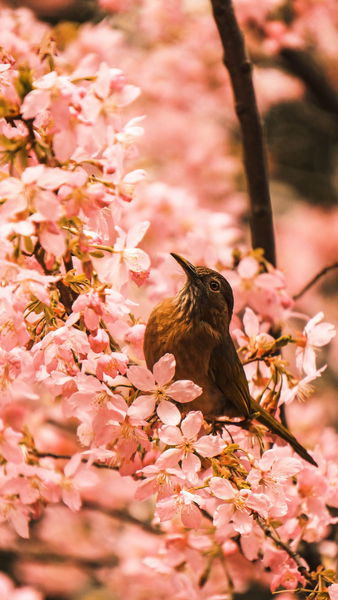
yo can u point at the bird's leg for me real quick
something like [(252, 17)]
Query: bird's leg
[(218, 423)]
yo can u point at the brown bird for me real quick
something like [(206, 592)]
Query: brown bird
[(194, 327)]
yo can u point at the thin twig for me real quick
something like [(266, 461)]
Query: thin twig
[(315, 279), (239, 66), (96, 464), (283, 546), (41, 556), (123, 515)]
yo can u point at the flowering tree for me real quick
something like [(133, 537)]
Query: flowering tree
[(103, 466)]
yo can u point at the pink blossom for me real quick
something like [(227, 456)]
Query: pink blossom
[(186, 442), (315, 335), (9, 444), (76, 477), (257, 342), (91, 306), (237, 506), (158, 385), (184, 503), (333, 591), (159, 479)]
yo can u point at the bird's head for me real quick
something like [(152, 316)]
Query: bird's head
[(206, 296)]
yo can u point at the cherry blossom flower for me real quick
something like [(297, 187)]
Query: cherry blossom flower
[(76, 477), (159, 388), (257, 342), (184, 503), (315, 335), (186, 442), (9, 440), (237, 506), (333, 591)]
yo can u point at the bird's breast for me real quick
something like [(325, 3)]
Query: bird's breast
[(191, 342)]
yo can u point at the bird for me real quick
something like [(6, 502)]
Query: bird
[(194, 327)]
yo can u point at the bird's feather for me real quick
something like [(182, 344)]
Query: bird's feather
[(228, 374)]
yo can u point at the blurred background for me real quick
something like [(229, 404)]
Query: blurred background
[(170, 48)]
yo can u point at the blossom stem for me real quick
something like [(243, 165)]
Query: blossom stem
[(314, 280), (96, 464), (283, 546)]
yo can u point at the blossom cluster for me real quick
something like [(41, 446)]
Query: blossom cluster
[(80, 414)]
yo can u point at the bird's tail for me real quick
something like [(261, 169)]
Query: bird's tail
[(269, 421)]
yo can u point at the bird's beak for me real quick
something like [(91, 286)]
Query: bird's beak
[(187, 267)]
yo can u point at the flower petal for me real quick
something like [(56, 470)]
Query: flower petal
[(209, 445), (222, 488), (141, 378), (164, 369), (242, 521), (170, 435), (191, 463), (142, 407), (168, 413), (192, 424), (184, 391), (191, 516)]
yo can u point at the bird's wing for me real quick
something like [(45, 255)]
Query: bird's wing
[(226, 370)]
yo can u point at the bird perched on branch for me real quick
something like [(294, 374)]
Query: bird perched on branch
[(194, 327)]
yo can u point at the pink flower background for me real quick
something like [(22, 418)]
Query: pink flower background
[(119, 144)]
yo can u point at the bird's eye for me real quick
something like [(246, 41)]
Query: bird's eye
[(214, 285)]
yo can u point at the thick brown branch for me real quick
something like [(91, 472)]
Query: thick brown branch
[(315, 279), (238, 64)]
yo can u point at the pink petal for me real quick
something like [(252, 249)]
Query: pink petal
[(322, 334), (222, 488), (91, 319), (248, 267), (222, 515), (145, 489), (251, 545), (164, 369), (142, 407), (259, 503), (169, 458), (333, 591), (191, 463), (53, 243), (138, 231), (170, 435), (20, 523), (184, 391), (141, 378), (168, 413), (72, 498), (191, 516), (251, 323), (243, 522), (136, 260), (192, 424), (209, 445), (73, 464), (166, 508)]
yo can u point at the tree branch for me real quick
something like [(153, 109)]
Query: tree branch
[(239, 66), (311, 73), (282, 546), (96, 464), (314, 280), (124, 516)]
